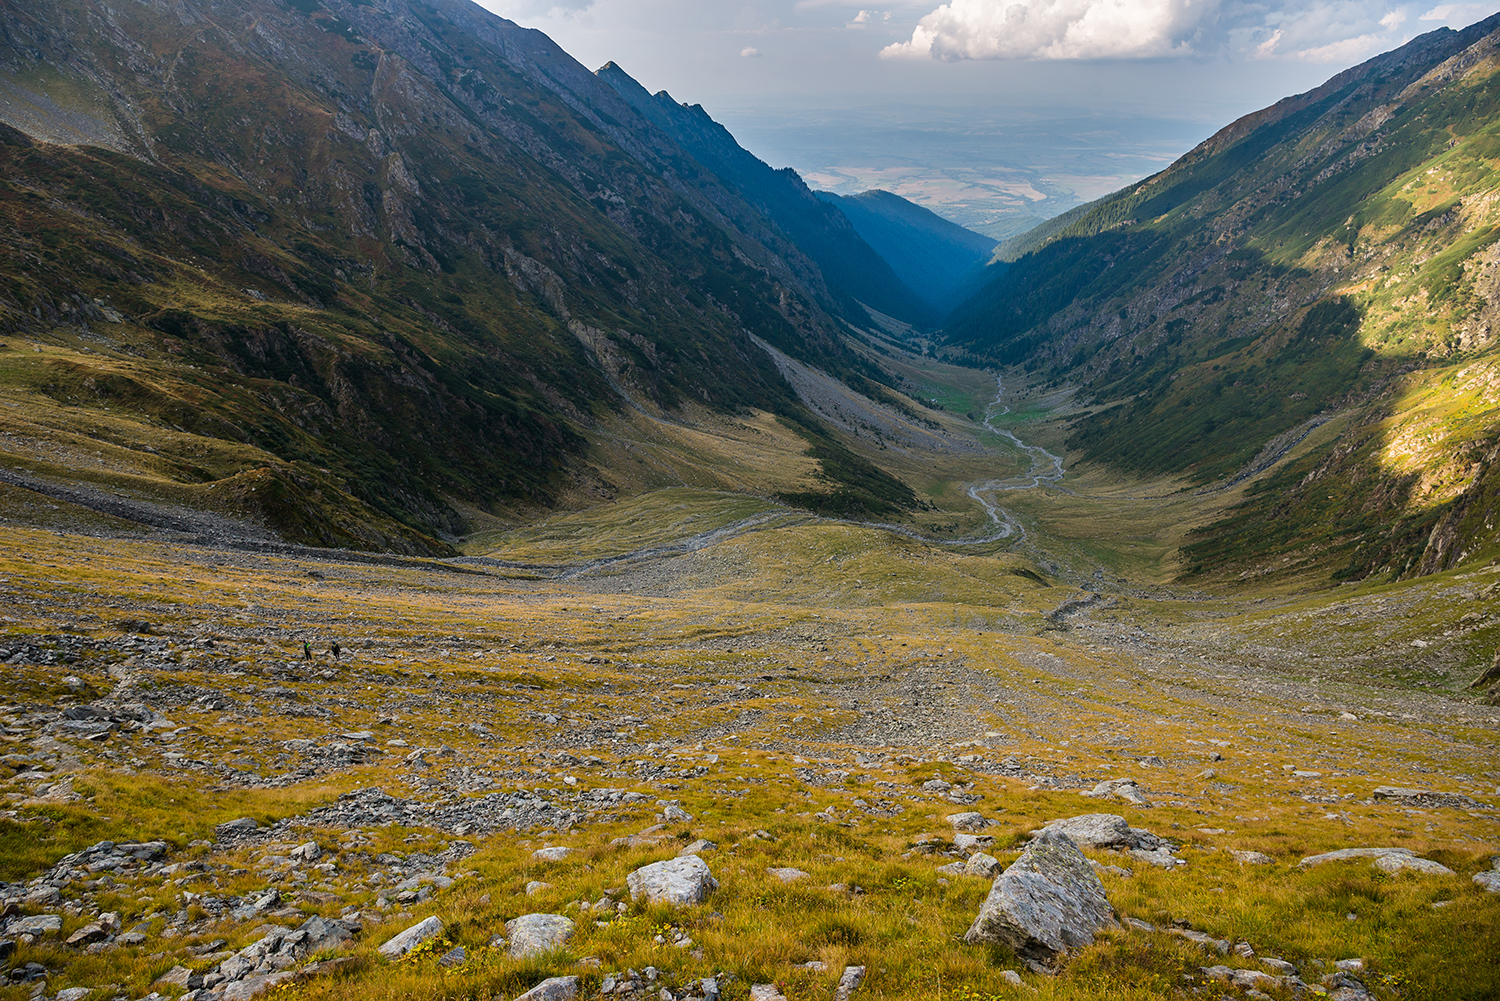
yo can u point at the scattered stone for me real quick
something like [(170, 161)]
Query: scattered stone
[(536, 886), (236, 828), (1344, 986), (537, 934), (765, 992), (552, 989), (1489, 880), (411, 938), (454, 957), (1386, 859), (1046, 903), (308, 853), (1125, 789), (552, 854), (1105, 830), (36, 926), (969, 821), (788, 875), (179, 976), (1350, 965), (849, 982), (1250, 858), (673, 813), (1281, 966), (88, 935), (1395, 863), (74, 994), (698, 847), (1012, 977), (1219, 945), (685, 880), (980, 864), (1424, 798)]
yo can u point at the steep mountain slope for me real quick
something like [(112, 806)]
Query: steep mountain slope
[(852, 267), (939, 258), (343, 266), (1336, 252)]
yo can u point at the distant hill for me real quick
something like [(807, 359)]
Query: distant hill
[(940, 259), (1338, 252), (851, 266)]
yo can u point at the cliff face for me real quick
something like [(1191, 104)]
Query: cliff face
[(398, 255)]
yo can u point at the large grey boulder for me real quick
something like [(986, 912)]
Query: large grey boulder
[(552, 989), (1047, 903), (411, 938), (1105, 830), (535, 934), (685, 880)]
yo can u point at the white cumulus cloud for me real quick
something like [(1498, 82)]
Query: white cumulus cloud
[(1306, 30), (1057, 29), (749, 52)]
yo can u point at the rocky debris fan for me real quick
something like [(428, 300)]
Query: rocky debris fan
[(1424, 798), (685, 880), (1048, 902)]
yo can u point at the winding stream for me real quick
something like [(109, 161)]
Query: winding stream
[(1045, 468)]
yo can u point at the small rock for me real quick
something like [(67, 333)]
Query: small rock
[(788, 875), (179, 976), (36, 926), (1489, 880), (698, 847), (1105, 830), (552, 854), (1250, 858), (1350, 965), (536, 886), (1395, 863), (1046, 903), (1012, 977), (537, 934), (980, 864), (411, 938), (849, 982), (1125, 789), (685, 880), (970, 821), (244, 825), (552, 989), (765, 992), (309, 852), (74, 994), (454, 957), (87, 935), (1281, 966)]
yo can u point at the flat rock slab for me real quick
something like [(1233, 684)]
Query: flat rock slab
[(552, 854), (1386, 860), (788, 875), (1048, 902), (969, 821), (536, 934), (552, 989), (1489, 880), (411, 938), (685, 880), (765, 992)]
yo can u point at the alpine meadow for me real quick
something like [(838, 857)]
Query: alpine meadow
[(470, 529)]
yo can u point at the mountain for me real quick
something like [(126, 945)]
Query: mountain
[(347, 268), (1335, 255), (930, 253), (853, 268)]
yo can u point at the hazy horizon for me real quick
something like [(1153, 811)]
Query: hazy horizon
[(988, 121)]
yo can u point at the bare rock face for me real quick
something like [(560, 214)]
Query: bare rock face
[(1046, 904), (685, 880)]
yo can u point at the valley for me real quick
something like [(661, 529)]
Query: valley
[(469, 529)]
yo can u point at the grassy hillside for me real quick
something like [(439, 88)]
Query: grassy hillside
[(1335, 252), (397, 259)]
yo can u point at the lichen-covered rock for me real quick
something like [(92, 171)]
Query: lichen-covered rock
[(552, 989), (1105, 830), (1047, 903), (535, 934), (411, 938), (685, 880), (1385, 859)]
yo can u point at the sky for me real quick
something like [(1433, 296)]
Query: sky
[(987, 111)]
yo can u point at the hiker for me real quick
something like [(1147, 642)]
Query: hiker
[(306, 650), (335, 649)]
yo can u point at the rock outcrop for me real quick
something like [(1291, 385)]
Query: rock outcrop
[(1046, 904)]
